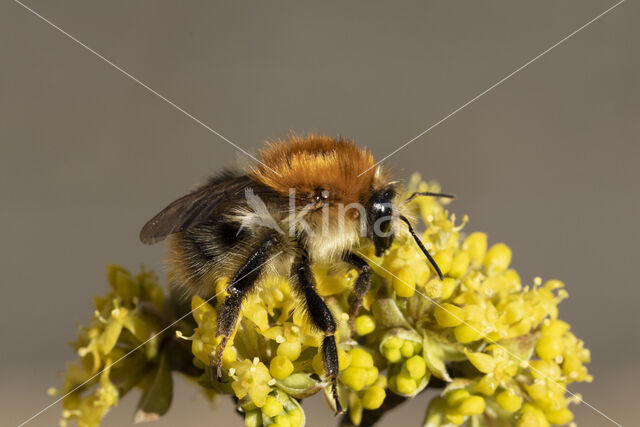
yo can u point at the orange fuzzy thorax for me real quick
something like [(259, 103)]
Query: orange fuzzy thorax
[(312, 163)]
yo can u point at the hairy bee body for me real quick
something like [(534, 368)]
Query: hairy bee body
[(307, 200), (217, 247)]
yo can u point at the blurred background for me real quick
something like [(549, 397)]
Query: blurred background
[(546, 162)]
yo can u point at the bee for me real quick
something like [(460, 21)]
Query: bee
[(310, 199)]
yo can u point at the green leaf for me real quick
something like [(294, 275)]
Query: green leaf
[(451, 351), (151, 290), (520, 347), (433, 354), (290, 404), (343, 396), (109, 336), (129, 372), (355, 409), (137, 327), (424, 382), (300, 385), (112, 272), (495, 416), (435, 416), (403, 334), (388, 314), (456, 384), (123, 284), (476, 421), (208, 381), (157, 394)]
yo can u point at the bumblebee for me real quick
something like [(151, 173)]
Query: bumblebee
[(310, 199)]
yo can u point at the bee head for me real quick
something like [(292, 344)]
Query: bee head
[(380, 214)]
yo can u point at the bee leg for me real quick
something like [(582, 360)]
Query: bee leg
[(321, 318), (361, 287), (242, 283)]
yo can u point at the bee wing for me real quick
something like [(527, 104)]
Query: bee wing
[(192, 209)]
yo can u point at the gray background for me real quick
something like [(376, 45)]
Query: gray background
[(546, 162)]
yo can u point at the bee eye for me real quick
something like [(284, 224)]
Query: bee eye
[(321, 196)]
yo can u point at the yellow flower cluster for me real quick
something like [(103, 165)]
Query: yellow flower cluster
[(364, 384), (94, 383), (406, 366), (278, 410), (494, 346), (274, 351), (481, 309)]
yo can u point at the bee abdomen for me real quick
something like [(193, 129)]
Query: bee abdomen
[(202, 254)]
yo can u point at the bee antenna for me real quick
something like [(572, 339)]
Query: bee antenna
[(429, 193), (421, 245)]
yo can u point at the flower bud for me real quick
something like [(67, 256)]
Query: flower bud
[(509, 401), (257, 313), (417, 367), (449, 285), (373, 397), (364, 325), (460, 264), (282, 420), (381, 381), (271, 407), (318, 364), (372, 375), (555, 328), (253, 418), (433, 288), (355, 378), (514, 311), (549, 347), (473, 405), (360, 358), (476, 246), (228, 357), (467, 332), (559, 416), (498, 258), (487, 385), (295, 417), (405, 384), (404, 282), (344, 360), (393, 355), (280, 368), (456, 397), (444, 260), (448, 315), (290, 350), (455, 417), (532, 417), (407, 349), (482, 361), (393, 342)]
